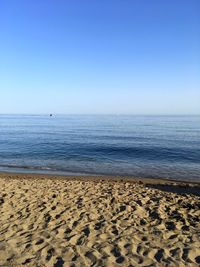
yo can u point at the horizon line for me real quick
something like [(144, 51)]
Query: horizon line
[(102, 114)]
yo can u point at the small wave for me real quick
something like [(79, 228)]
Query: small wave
[(25, 167), (46, 170)]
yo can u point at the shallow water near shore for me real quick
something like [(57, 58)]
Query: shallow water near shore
[(145, 146)]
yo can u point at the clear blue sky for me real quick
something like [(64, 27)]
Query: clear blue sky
[(100, 56)]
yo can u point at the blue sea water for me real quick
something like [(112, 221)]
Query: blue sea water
[(143, 146)]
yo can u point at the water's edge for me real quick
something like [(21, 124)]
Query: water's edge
[(97, 177)]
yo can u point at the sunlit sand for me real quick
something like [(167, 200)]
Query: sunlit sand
[(56, 221)]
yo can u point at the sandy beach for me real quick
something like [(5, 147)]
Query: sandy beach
[(65, 221)]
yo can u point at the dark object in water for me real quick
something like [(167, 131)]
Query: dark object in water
[(51, 115)]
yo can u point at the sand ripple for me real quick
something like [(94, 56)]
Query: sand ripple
[(46, 222)]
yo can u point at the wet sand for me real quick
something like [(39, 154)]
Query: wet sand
[(92, 221)]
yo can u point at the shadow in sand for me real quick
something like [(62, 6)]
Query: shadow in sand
[(178, 189)]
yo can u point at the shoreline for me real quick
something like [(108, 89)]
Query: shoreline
[(96, 177)]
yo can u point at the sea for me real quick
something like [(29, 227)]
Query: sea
[(124, 145)]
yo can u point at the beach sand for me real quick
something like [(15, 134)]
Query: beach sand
[(65, 221)]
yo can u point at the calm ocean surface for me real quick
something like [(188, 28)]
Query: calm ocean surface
[(144, 146)]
